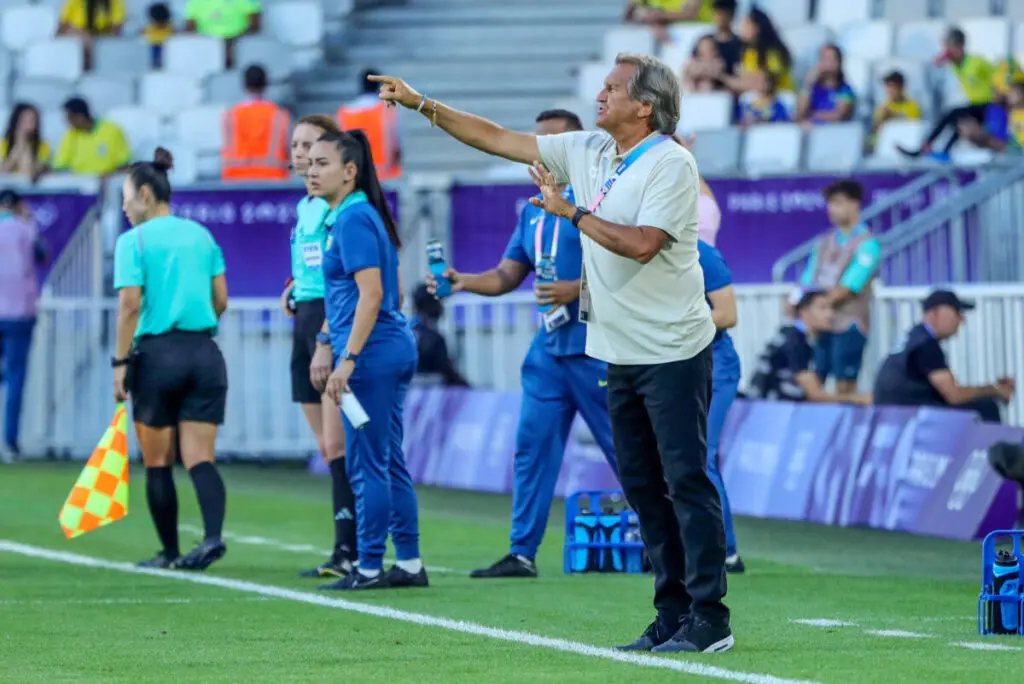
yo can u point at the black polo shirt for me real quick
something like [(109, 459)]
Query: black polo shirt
[(903, 377), (785, 357)]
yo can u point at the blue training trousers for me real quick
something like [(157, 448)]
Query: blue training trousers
[(555, 389), (723, 394)]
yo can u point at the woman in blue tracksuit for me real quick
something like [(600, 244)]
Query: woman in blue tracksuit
[(722, 299), (368, 343)]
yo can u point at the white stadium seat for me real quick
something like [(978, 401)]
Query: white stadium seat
[(787, 12), (54, 58), (138, 123), (966, 154), (705, 112), (955, 10), (772, 148), (104, 93), (193, 56), (920, 40), (169, 93), (22, 25), (868, 39), (1014, 10), (591, 79), (804, 44), (201, 128), (224, 88), (298, 23), (685, 37), (905, 10), (836, 14), (718, 152), (914, 74), (858, 77), (54, 123), (186, 163), (987, 37), (835, 147), (44, 93), (628, 39), (909, 134), (120, 57), (272, 55)]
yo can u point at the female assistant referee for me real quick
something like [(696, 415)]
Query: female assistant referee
[(169, 273), (306, 290), (368, 343)]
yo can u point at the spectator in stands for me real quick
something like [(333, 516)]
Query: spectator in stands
[(90, 146), (1004, 124), (225, 19), (90, 19), (917, 373), (763, 52), (827, 97), (703, 72), (20, 252), (729, 45), (23, 150), (785, 369), (897, 105), (660, 14), (762, 105), (255, 134), (434, 362), (843, 264), (157, 31), (380, 123)]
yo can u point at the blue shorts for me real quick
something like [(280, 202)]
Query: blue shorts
[(839, 355)]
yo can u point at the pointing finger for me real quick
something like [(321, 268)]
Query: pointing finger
[(378, 78)]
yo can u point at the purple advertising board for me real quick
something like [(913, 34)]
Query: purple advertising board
[(923, 471), (57, 216)]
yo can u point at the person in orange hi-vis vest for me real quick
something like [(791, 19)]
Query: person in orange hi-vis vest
[(379, 123), (255, 135)]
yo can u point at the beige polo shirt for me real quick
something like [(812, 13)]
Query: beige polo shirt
[(640, 313)]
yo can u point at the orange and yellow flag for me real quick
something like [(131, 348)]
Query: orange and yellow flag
[(100, 496)]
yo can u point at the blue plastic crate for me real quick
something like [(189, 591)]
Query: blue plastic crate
[(598, 555), (986, 599)]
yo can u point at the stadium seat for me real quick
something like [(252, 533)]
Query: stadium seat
[(718, 152), (200, 128), (685, 37), (905, 10), (867, 39), (104, 93), (186, 163), (787, 12), (120, 57), (1014, 10), (42, 92), (858, 77), (675, 56), (169, 93), (805, 44), (920, 40), (914, 74), (6, 67), (60, 58), (23, 25), (773, 147), (225, 88), (705, 112), (54, 123), (68, 182), (591, 79), (627, 39), (585, 109), (835, 147), (274, 56), (296, 23), (138, 123), (193, 56), (955, 10), (987, 37), (837, 14), (905, 133), (966, 154)]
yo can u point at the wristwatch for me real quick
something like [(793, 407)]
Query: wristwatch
[(117, 363), (349, 356), (323, 338), (578, 216)]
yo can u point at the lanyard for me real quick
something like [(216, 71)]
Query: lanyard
[(538, 233), (626, 163)]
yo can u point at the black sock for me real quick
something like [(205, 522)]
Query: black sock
[(344, 506), (162, 498), (212, 497)]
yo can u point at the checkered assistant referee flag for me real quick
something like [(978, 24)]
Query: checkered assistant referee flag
[(100, 496)]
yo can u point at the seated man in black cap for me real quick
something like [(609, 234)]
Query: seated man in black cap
[(917, 373), (785, 369), (435, 367)]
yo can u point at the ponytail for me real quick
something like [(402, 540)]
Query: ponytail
[(368, 182)]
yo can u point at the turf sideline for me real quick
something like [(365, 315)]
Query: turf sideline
[(523, 638)]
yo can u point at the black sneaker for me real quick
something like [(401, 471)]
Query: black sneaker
[(656, 634), (356, 581), (698, 635), (336, 566), (161, 561), (509, 566), (397, 577), (734, 564), (203, 556)]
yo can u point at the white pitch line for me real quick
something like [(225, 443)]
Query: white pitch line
[(475, 629), (292, 548), (125, 601), (824, 623), (978, 646), (898, 634)]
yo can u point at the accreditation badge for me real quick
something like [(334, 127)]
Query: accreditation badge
[(556, 318), (584, 297), (312, 255)]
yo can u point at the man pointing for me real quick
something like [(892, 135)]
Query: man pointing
[(642, 297)]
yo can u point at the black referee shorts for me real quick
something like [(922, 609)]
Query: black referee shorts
[(309, 319), (178, 376)]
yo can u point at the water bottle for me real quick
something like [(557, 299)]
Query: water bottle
[(546, 274), (585, 532), (610, 532), (634, 557), (438, 265), (1003, 616)]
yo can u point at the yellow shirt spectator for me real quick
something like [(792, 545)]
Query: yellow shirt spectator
[(1016, 131), (221, 18), (157, 34), (904, 109), (94, 152), (74, 15), (1007, 72), (976, 78), (775, 66), (43, 154), (706, 12)]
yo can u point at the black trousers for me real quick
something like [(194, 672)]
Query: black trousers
[(950, 119), (659, 422)]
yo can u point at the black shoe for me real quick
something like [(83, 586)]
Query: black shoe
[(656, 634), (734, 564), (204, 555), (509, 566), (161, 561), (907, 152), (336, 566), (397, 577), (356, 581), (698, 636)]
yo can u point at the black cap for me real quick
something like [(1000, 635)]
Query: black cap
[(76, 105), (9, 198), (946, 298)]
